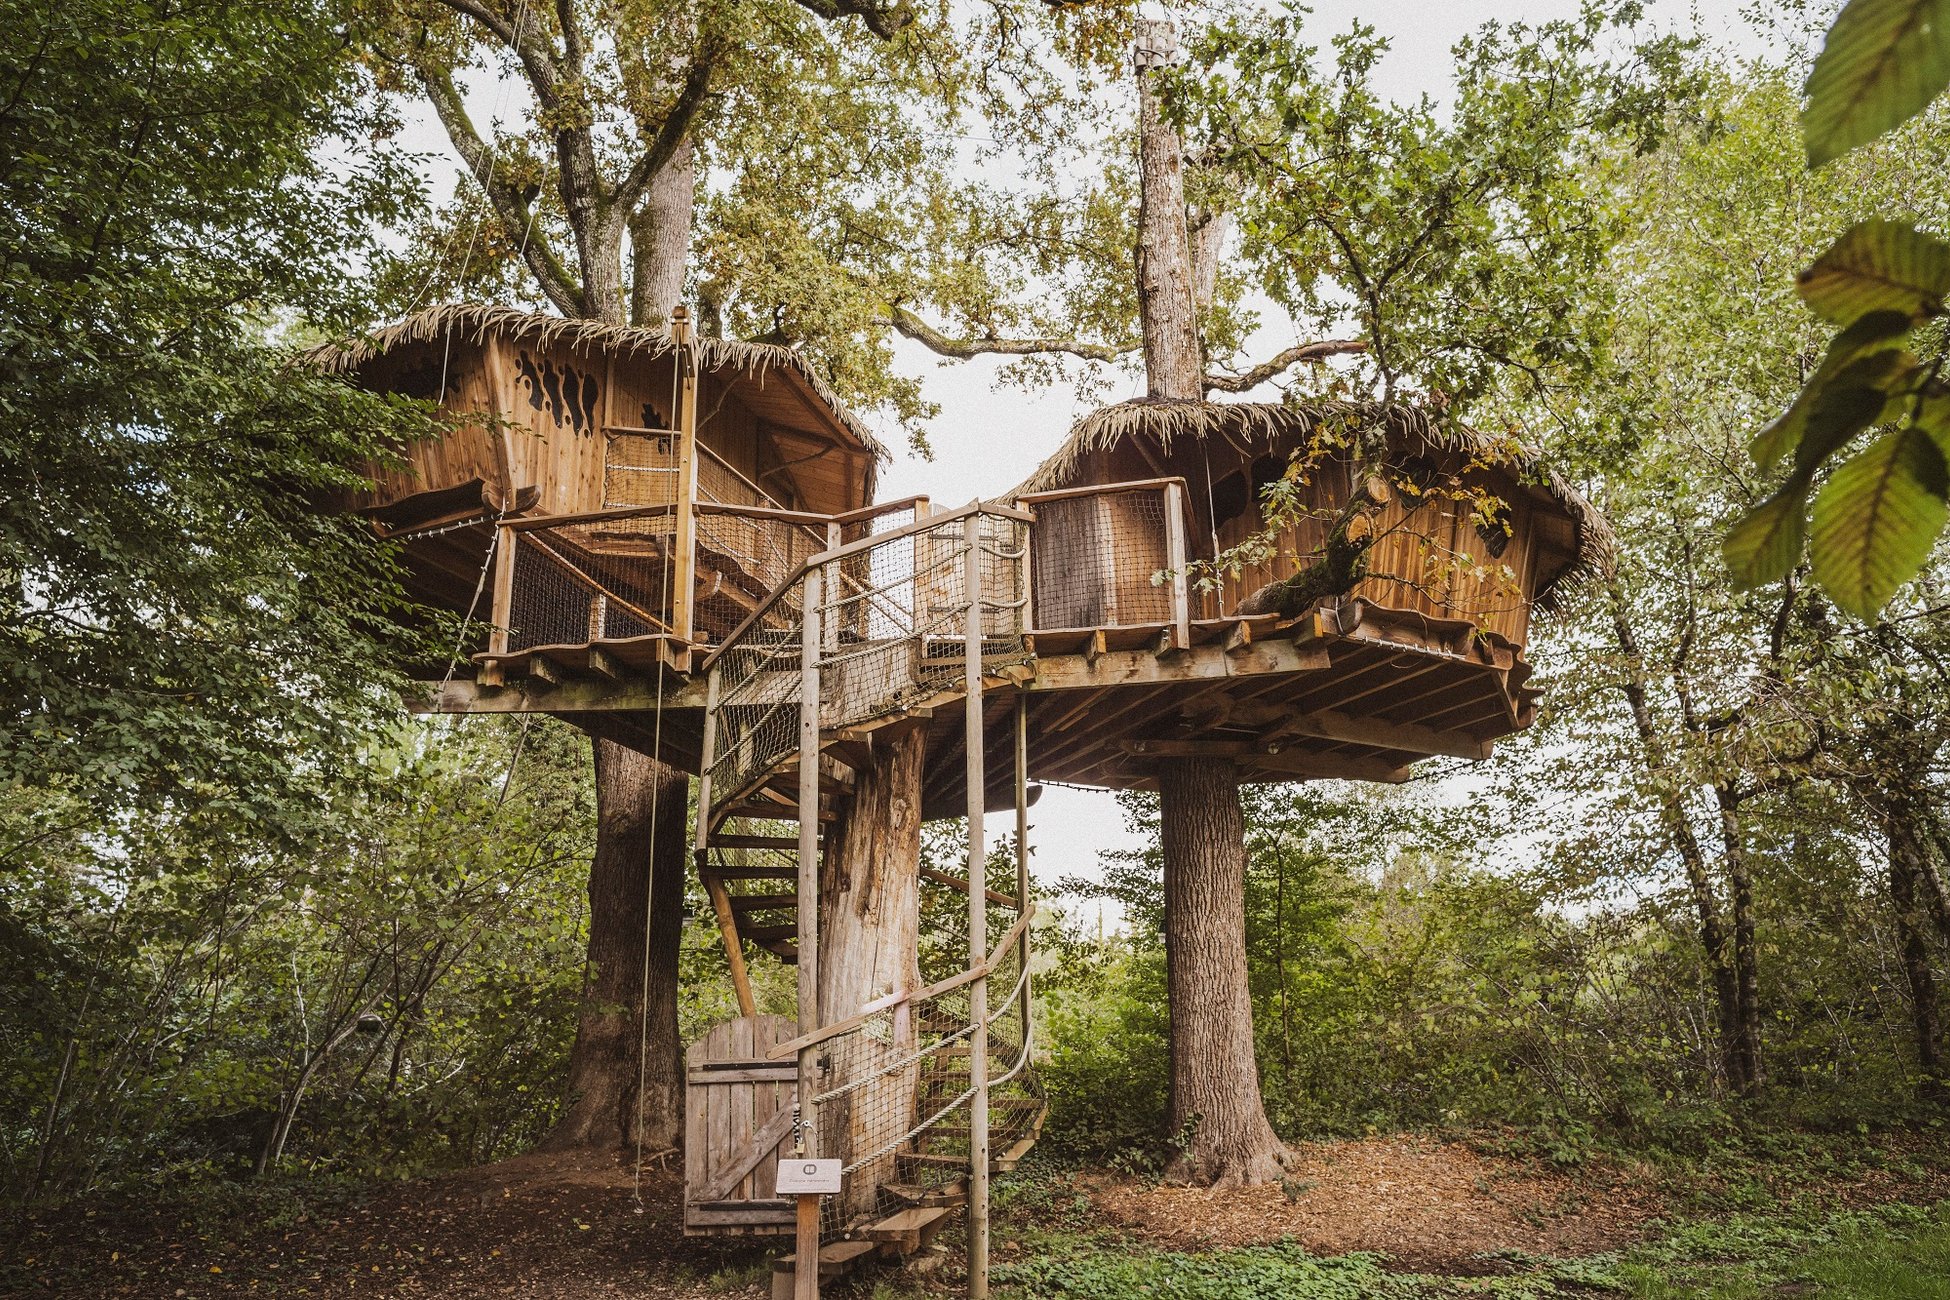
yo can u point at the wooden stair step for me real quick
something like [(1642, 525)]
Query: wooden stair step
[(835, 1257), (727, 871), (762, 902), (948, 1194), (768, 811), (766, 934), (784, 843), (904, 1229)]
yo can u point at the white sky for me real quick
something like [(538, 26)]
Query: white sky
[(988, 438)]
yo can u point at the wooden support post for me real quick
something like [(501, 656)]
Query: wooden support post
[(734, 951), (830, 581), (1176, 558), (805, 1268), (501, 609), (978, 897), (684, 544), (1022, 853), (806, 1271)]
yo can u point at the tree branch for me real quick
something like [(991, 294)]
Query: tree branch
[(514, 210), (1277, 365), (934, 340), (884, 21), (676, 126), (537, 60)]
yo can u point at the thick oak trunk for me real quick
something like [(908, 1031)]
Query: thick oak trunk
[(636, 881), (869, 933), (1215, 1097), (1173, 361), (660, 240)]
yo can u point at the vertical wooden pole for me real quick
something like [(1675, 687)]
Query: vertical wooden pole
[(684, 543), (1022, 850), (830, 628), (734, 952), (978, 931), (1175, 559), (502, 606), (806, 1266)]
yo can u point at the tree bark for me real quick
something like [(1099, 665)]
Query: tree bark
[(660, 239), (1173, 361), (1907, 866), (1215, 1097), (1746, 960), (1714, 939), (869, 934), (636, 882)]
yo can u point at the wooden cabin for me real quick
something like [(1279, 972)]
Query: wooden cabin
[(626, 487)]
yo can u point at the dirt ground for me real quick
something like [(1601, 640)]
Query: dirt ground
[(556, 1228), (1428, 1205), (533, 1228)]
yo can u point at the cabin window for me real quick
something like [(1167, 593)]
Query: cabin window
[(1230, 497), (1495, 534)]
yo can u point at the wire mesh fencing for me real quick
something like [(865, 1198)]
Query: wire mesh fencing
[(594, 579), (896, 1091), (1109, 556), (895, 612)]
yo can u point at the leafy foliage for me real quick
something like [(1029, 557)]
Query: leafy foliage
[(177, 617), (1882, 509)]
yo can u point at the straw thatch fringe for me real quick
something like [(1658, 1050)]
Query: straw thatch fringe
[(474, 322), (1284, 426)]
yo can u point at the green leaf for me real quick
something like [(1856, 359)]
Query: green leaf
[(1878, 266), (1863, 367), (1882, 64), (1876, 519), (1766, 542)]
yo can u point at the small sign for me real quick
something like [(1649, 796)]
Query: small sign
[(808, 1177)]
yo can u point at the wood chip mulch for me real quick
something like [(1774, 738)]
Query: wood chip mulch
[(1427, 1205)]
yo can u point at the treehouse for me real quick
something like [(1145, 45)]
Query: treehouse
[(678, 550), (640, 492)]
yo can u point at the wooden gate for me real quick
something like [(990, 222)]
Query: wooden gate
[(737, 1123)]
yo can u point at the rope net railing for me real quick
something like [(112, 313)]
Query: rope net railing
[(894, 1093), (894, 614), (1108, 557), (608, 576), (894, 1088)]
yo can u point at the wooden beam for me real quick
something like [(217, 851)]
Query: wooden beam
[(1379, 733), (1199, 663), (583, 695), (1293, 762)]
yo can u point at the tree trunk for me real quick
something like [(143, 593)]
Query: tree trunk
[(660, 240), (1173, 361), (638, 871), (1215, 1098), (869, 932), (1906, 868), (1746, 960), (1714, 940)]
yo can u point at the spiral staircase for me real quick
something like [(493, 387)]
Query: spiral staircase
[(924, 1093)]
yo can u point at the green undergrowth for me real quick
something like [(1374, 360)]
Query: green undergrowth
[(1894, 1252)]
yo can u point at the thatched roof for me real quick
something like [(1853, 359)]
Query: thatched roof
[(1276, 425), (476, 322)]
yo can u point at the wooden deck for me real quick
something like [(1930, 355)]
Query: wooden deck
[(1355, 691)]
